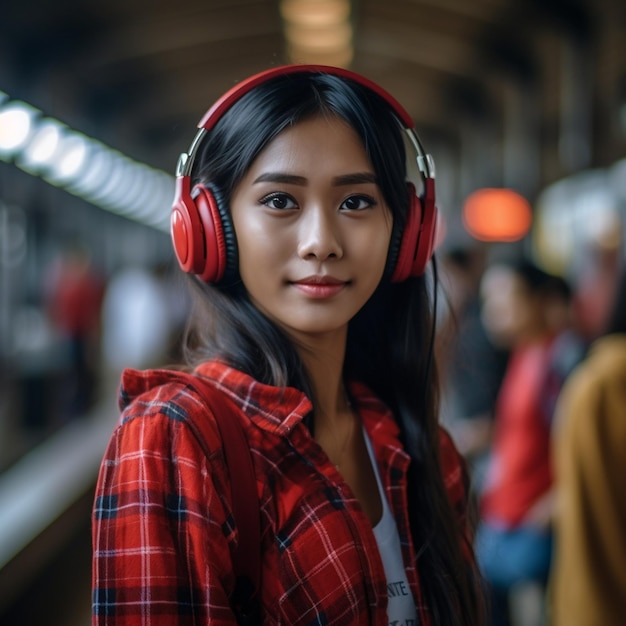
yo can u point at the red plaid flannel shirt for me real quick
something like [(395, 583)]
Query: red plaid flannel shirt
[(163, 533)]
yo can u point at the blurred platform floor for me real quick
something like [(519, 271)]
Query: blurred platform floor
[(45, 523), (59, 594)]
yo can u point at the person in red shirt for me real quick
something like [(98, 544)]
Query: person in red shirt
[(306, 248), (514, 539), (74, 294)]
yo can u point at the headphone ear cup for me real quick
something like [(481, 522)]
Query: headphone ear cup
[(213, 267), (426, 243), (229, 250), (202, 232), (186, 229), (397, 237), (418, 236)]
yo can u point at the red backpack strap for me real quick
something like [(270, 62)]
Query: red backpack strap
[(244, 497)]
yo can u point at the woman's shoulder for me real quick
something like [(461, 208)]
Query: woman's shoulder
[(144, 392), (170, 404), (165, 451)]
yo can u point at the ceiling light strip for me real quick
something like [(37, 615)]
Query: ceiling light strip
[(87, 168)]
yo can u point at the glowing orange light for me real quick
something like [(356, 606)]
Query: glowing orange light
[(497, 215)]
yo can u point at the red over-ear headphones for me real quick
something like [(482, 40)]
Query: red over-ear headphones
[(202, 242)]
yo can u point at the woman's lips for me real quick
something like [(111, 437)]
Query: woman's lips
[(320, 286)]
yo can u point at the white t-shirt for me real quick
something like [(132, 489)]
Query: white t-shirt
[(401, 610)]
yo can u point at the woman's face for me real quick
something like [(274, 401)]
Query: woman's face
[(312, 228)]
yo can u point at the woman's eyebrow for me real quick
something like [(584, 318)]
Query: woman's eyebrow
[(281, 177), (358, 178)]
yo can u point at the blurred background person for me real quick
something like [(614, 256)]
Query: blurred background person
[(514, 540), (471, 365), (143, 313), (569, 345), (598, 270), (588, 582), (73, 291)]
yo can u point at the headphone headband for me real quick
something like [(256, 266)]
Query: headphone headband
[(425, 162), (235, 93)]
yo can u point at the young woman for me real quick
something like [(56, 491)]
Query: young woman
[(306, 248)]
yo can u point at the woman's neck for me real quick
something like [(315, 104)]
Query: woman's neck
[(324, 362)]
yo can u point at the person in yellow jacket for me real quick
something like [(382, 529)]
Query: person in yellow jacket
[(588, 584)]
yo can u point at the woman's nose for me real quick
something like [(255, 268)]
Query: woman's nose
[(319, 234)]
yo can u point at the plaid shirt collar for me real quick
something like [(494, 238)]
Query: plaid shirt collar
[(280, 409)]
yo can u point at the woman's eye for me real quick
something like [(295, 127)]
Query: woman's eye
[(279, 201), (358, 203)]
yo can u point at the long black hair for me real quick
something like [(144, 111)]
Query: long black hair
[(387, 346)]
